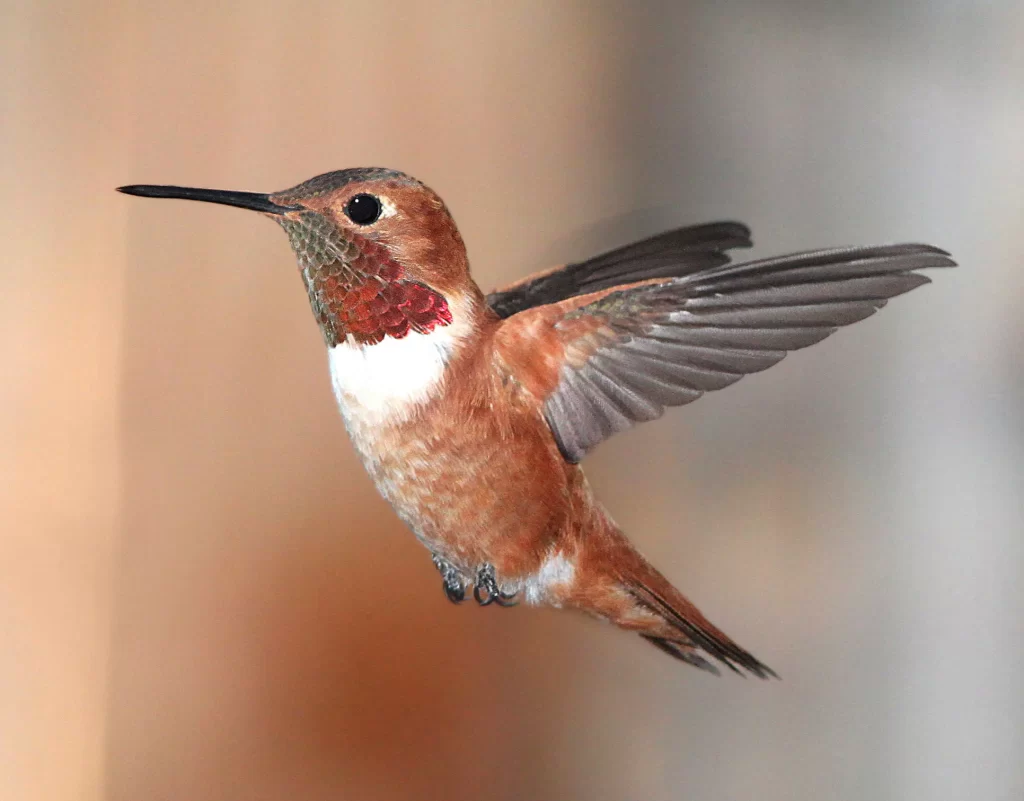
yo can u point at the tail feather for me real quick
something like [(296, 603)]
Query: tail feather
[(683, 654), (697, 631), (612, 580)]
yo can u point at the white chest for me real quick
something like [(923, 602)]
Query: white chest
[(381, 387), (378, 387), (383, 384)]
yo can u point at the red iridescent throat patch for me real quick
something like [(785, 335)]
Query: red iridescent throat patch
[(356, 289)]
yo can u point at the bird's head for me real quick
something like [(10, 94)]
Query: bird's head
[(378, 250)]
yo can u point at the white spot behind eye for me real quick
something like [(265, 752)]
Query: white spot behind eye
[(387, 206)]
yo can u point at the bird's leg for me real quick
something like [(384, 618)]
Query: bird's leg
[(486, 589), (452, 583)]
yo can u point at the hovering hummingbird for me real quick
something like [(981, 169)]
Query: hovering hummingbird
[(471, 412)]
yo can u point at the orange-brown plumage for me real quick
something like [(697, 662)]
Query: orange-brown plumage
[(471, 412)]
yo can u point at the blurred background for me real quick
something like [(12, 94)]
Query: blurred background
[(203, 598)]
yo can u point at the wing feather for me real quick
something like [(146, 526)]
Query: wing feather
[(630, 351), (672, 254)]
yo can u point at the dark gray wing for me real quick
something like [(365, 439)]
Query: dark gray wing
[(632, 352), (668, 255)]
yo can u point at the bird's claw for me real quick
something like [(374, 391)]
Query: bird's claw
[(455, 593), (451, 581), (486, 590)]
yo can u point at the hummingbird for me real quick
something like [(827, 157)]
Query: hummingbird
[(471, 412)]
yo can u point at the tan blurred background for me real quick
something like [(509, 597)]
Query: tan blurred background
[(201, 596)]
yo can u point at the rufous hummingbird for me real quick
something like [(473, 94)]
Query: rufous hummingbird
[(471, 412)]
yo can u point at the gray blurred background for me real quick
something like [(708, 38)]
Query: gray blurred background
[(201, 595)]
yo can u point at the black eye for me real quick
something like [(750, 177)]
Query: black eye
[(363, 209)]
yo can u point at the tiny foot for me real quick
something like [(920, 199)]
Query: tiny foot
[(486, 590), (451, 581)]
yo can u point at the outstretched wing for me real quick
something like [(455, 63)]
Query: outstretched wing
[(668, 255), (607, 360)]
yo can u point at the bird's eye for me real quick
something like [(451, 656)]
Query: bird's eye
[(363, 209)]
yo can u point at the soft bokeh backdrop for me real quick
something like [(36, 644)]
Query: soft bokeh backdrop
[(202, 597)]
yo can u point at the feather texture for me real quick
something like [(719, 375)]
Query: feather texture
[(671, 254), (631, 351)]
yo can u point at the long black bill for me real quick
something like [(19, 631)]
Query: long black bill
[(244, 200)]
